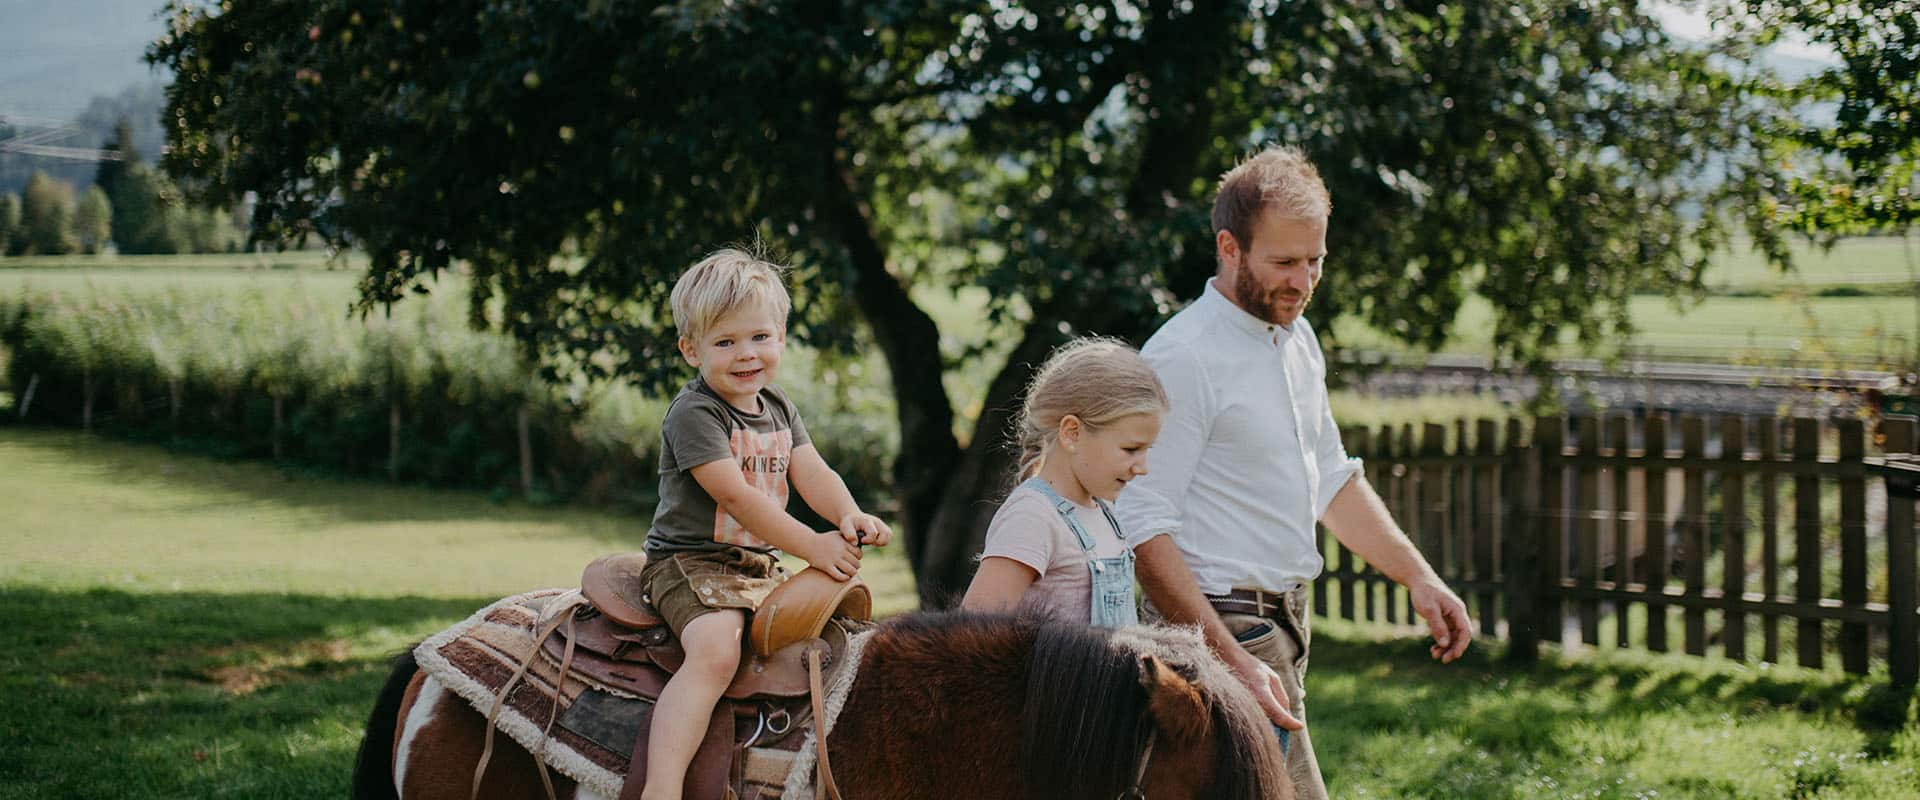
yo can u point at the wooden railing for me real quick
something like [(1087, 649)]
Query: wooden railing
[(1757, 535)]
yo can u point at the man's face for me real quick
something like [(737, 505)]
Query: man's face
[(1274, 278)]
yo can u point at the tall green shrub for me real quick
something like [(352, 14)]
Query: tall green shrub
[(46, 216)]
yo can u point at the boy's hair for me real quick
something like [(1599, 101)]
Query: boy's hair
[(724, 281), (1096, 379), (1280, 178)]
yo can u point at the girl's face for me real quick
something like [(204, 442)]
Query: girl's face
[(1105, 458)]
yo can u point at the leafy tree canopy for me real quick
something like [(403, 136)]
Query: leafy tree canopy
[(1555, 156), (1860, 174)]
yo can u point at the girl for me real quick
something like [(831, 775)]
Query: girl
[(1091, 413)]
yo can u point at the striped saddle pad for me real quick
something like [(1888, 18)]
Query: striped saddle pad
[(585, 728)]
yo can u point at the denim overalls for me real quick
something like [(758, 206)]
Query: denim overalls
[(1112, 577)]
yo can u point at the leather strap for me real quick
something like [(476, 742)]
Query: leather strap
[(823, 785), (1257, 602), (500, 701)]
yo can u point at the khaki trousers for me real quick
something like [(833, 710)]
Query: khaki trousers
[(1282, 643)]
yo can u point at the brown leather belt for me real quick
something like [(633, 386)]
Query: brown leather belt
[(1257, 602)]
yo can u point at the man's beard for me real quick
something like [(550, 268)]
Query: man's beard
[(1261, 302)]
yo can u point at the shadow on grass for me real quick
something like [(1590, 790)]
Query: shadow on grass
[(1492, 729), (111, 694), (218, 485)]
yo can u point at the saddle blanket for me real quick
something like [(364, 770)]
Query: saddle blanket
[(585, 730)]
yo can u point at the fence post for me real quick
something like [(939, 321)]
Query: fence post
[(1770, 537), (1806, 539), (1658, 562), (1587, 526), (393, 440), (1488, 526), (1522, 534), (1853, 545), (1733, 537), (1620, 435), (1903, 628), (524, 424), (1693, 524), (26, 398)]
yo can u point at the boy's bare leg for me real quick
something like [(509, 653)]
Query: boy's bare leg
[(712, 642)]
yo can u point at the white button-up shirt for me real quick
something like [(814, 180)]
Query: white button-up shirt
[(1248, 457)]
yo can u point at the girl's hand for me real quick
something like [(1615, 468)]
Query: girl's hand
[(831, 554), (860, 527)]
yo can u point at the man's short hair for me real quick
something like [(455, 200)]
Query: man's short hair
[(1280, 178), (722, 282)]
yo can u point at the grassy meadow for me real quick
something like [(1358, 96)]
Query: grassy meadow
[(184, 627), (190, 627)]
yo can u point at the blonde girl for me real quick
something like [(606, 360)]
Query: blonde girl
[(1091, 413)]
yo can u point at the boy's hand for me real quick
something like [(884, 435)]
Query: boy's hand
[(860, 527), (831, 554)]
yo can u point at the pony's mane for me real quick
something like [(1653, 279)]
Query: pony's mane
[(1086, 713), (1249, 765)]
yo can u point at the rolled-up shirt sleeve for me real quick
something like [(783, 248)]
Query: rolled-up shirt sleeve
[(1336, 467), (1153, 504)]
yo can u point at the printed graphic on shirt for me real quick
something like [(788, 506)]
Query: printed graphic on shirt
[(763, 460)]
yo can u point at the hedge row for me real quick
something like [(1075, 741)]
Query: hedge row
[(418, 397)]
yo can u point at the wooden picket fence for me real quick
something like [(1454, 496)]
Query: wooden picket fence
[(1757, 535)]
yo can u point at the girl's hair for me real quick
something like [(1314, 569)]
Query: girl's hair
[(1097, 379)]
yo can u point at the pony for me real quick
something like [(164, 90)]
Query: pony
[(944, 704)]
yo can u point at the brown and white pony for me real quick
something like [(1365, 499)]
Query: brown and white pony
[(945, 704)]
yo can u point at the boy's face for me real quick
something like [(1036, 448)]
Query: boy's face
[(739, 354)]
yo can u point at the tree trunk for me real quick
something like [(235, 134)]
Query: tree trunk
[(949, 494), (908, 339), (173, 404), (972, 490)]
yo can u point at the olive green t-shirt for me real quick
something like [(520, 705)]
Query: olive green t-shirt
[(700, 429)]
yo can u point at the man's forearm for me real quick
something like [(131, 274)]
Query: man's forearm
[(1361, 521), (1170, 585)]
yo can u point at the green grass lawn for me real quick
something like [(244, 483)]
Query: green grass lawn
[(181, 627)]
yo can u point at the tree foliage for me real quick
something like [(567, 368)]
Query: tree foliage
[(93, 220), (1860, 172), (46, 217), (1554, 156)]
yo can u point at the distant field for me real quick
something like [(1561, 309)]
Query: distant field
[(1862, 261), (1776, 316)]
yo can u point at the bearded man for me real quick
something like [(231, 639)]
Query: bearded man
[(1249, 457)]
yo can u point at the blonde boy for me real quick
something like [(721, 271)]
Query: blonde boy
[(730, 445)]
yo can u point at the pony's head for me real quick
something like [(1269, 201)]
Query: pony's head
[(1143, 708)]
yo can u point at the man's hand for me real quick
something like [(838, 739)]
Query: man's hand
[(1446, 616), (860, 527), (831, 553), (1265, 685)]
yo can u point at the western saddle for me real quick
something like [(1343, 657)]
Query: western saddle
[(615, 638)]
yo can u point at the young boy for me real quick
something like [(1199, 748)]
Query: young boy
[(730, 445)]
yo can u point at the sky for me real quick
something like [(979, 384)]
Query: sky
[(1691, 24)]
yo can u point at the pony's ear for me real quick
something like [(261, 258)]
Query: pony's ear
[(1175, 703)]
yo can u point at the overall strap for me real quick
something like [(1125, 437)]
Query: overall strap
[(1065, 507), (1106, 509)]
